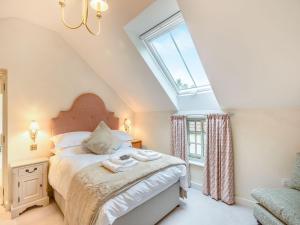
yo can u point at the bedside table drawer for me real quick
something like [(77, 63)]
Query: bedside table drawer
[(30, 170)]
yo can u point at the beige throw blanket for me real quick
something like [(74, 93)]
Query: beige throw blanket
[(94, 185)]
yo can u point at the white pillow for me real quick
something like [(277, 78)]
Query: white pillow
[(70, 139), (122, 135), (126, 144)]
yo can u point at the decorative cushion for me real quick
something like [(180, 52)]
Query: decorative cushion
[(295, 181), (284, 203), (102, 141)]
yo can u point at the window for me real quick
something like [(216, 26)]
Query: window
[(196, 137), (172, 48)]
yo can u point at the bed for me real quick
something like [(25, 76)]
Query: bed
[(145, 203)]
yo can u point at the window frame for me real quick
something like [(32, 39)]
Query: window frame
[(162, 28), (198, 157)]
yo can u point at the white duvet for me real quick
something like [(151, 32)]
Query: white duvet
[(65, 164)]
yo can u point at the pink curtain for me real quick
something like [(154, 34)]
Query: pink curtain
[(179, 143), (219, 165)]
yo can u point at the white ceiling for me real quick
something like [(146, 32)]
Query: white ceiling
[(250, 49), (111, 54)]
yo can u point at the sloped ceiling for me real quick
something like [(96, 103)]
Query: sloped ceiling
[(250, 49), (111, 55)]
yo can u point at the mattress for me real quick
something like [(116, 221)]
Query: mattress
[(65, 164)]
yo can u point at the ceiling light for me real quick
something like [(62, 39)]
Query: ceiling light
[(98, 5)]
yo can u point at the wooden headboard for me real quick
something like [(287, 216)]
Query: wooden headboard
[(87, 111)]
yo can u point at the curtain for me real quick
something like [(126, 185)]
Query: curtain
[(219, 165), (179, 143)]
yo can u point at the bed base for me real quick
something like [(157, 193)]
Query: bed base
[(149, 213)]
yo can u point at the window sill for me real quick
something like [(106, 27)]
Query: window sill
[(195, 162)]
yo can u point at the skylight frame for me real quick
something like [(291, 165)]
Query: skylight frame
[(165, 27)]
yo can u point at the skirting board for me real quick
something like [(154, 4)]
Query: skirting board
[(238, 200), (196, 186), (245, 202)]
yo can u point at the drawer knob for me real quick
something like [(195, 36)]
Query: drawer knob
[(27, 170)]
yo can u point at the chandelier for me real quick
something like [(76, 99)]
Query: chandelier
[(98, 5)]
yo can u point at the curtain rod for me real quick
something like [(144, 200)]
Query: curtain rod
[(203, 114)]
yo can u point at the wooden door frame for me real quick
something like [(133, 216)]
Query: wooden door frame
[(5, 177)]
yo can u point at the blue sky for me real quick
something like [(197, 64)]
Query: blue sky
[(171, 57)]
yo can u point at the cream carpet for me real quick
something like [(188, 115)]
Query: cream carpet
[(196, 210)]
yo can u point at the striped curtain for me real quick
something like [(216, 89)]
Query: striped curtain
[(219, 164), (179, 140)]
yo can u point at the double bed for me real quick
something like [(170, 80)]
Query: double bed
[(144, 203)]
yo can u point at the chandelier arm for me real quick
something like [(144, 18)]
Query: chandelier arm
[(64, 21), (92, 32), (99, 23)]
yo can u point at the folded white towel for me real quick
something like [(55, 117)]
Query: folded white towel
[(117, 160), (143, 158), (148, 153), (118, 168)]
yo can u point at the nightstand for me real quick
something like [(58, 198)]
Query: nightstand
[(136, 143), (28, 185)]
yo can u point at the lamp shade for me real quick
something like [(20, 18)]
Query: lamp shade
[(34, 126), (99, 5)]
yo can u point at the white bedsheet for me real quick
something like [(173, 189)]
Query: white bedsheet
[(64, 165)]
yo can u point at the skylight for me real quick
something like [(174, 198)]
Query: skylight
[(172, 47)]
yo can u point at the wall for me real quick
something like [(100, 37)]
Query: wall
[(154, 129), (206, 101), (45, 75), (265, 144)]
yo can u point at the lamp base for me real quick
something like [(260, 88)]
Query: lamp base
[(33, 147)]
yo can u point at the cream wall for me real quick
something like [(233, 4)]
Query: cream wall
[(154, 129), (45, 75), (265, 144)]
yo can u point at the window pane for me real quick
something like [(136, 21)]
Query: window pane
[(204, 126), (198, 126), (199, 149), (192, 138), (192, 126), (187, 48), (199, 138), (192, 148), (171, 58)]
